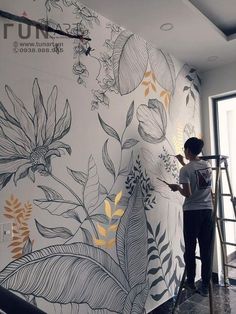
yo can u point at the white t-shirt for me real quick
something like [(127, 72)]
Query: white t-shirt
[(198, 174)]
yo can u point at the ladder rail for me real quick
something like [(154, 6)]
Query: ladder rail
[(218, 222)]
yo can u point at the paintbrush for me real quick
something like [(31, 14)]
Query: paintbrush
[(162, 181)]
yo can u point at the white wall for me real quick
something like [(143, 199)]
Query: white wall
[(216, 82)]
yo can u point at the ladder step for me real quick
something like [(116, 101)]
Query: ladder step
[(226, 219), (225, 194), (215, 168), (230, 265), (229, 243)]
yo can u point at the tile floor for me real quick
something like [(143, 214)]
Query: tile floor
[(224, 300)]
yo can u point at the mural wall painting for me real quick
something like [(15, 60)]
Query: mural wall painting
[(126, 259)]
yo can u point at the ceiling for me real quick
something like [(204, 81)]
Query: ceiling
[(203, 34)]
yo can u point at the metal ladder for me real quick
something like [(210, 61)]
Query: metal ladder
[(221, 164)]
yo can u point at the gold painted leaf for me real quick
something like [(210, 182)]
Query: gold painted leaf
[(15, 200), (8, 203), (99, 242), (145, 83), (17, 205), (108, 211), (110, 243), (26, 238), (162, 93), (118, 212), (17, 255), (154, 87), (15, 238), (9, 216), (113, 228), (146, 91), (19, 210), (15, 243), (102, 230), (17, 249), (25, 233), (8, 209), (147, 74), (118, 197)]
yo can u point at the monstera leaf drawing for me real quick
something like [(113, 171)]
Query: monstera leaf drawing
[(81, 273), (130, 60), (162, 67)]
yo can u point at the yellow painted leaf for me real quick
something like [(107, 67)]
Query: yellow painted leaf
[(113, 228), (19, 210), (12, 197), (24, 228), (15, 200), (110, 243), (154, 87), (102, 230), (15, 238), (108, 211), (146, 91), (25, 238), (8, 203), (17, 255), (17, 249), (9, 216), (118, 197), (118, 212), (162, 93), (145, 83), (15, 243), (147, 74), (8, 209), (25, 233), (18, 205), (99, 242)]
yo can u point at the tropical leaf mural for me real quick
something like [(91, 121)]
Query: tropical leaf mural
[(81, 273)]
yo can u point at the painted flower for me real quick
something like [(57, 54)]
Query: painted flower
[(28, 141), (152, 121)]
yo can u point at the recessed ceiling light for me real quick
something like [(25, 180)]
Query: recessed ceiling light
[(166, 27), (212, 58)]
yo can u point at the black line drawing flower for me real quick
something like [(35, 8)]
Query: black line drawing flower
[(28, 141)]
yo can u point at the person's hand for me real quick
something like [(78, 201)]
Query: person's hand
[(174, 187), (180, 159)]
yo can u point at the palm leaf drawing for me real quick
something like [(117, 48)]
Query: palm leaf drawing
[(73, 273), (132, 240), (129, 56), (159, 252), (163, 68)]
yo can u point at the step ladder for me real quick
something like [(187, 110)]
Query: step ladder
[(221, 164)]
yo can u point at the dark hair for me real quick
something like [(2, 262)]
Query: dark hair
[(194, 144)]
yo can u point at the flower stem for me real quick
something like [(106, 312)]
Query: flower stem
[(78, 199)]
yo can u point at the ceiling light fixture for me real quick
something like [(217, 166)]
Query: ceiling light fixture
[(166, 26), (212, 58)]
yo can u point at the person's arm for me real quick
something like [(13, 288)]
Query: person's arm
[(185, 190), (180, 159)]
